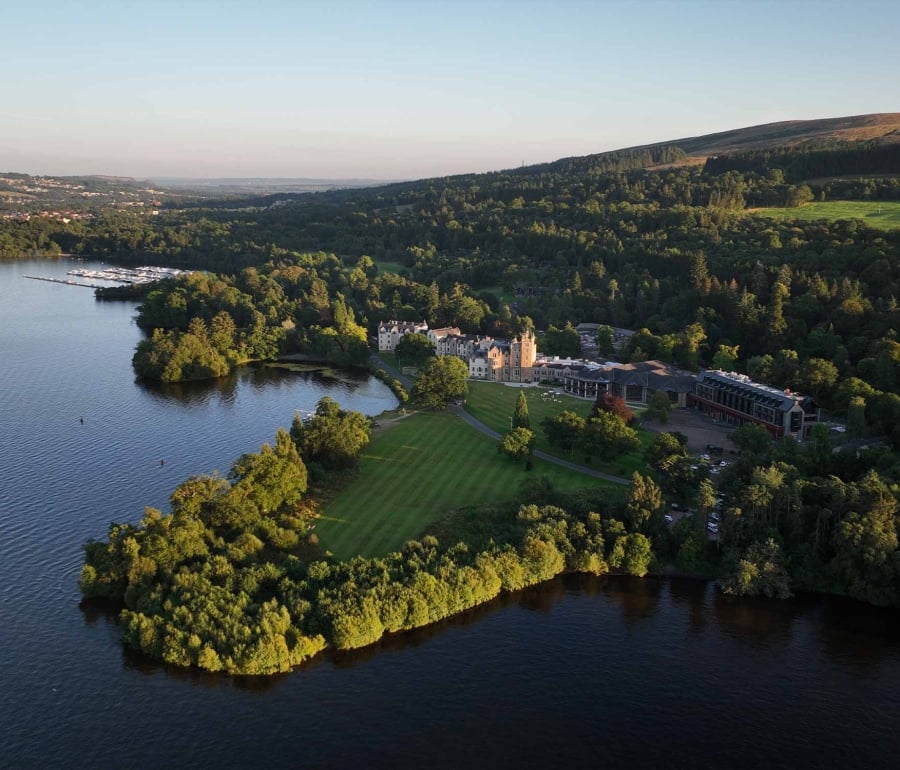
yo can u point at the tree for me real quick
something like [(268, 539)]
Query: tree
[(638, 554), (856, 417), (520, 416), (658, 407), (760, 570), (644, 499), (442, 380), (563, 342), (726, 358), (517, 444), (564, 431), (607, 436), (604, 339), (752, 438), (274, 477), (706, 502), (866, 561), (785, 366), (663, 449), (414, 349), (332, 437), (817, 375), (607, 402)]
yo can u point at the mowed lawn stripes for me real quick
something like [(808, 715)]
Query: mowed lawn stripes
[(415, 471)]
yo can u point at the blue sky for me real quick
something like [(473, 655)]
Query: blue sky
[(403, 89)]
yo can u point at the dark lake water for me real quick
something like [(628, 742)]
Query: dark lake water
[(581, 672)]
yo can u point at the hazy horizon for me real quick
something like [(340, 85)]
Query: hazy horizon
[(405, 90)]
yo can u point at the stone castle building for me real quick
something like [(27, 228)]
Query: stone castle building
[(487, 358), (390, 332)]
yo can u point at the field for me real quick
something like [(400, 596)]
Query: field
[(494, 404), (416, 470), (385, 266), (881, 214)]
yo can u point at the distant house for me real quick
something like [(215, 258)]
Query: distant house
[(737, 400), (390, 332)]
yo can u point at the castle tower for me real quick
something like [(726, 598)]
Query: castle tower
[(522, 353)]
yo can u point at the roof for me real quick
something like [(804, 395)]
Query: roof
[(733, 382), (655, 375)]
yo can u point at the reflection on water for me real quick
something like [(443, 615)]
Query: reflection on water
[(581, 671), (223, 390)]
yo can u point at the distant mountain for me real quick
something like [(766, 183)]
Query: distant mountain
[(879, 127)]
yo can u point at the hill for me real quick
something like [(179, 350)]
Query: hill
[(882, 127)]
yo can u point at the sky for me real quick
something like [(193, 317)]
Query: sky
[(403, 89)]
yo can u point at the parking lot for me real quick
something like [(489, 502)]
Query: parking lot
[(699, 429), (701, 432)]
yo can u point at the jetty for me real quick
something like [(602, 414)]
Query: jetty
[(64, 281)]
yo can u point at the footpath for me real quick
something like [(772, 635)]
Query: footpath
[(460, 411)]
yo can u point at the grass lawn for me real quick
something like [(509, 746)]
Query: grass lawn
[(416, 470), (881, 214), (384, 266), (494, 404)]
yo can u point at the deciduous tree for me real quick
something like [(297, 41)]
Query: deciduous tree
[(442, 380)]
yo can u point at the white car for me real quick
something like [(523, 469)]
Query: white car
[(669, 518), (713, 527)]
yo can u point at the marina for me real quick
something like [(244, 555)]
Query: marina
[(146, 274), (136, 275)]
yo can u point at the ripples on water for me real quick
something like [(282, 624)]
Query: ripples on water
[(583, 671)]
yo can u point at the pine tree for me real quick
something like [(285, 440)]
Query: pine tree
[(520, 416)]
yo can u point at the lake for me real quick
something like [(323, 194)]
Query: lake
[(605, 672)]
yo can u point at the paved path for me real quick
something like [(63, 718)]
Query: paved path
[(392, 370), (478, 425)]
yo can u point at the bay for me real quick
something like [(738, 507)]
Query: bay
[(583, 671)]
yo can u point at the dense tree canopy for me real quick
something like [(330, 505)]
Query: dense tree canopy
[(670, 253), (442, 380), (332, 437)]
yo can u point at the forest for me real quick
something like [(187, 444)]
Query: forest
[(231, 578), (668, 252)]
